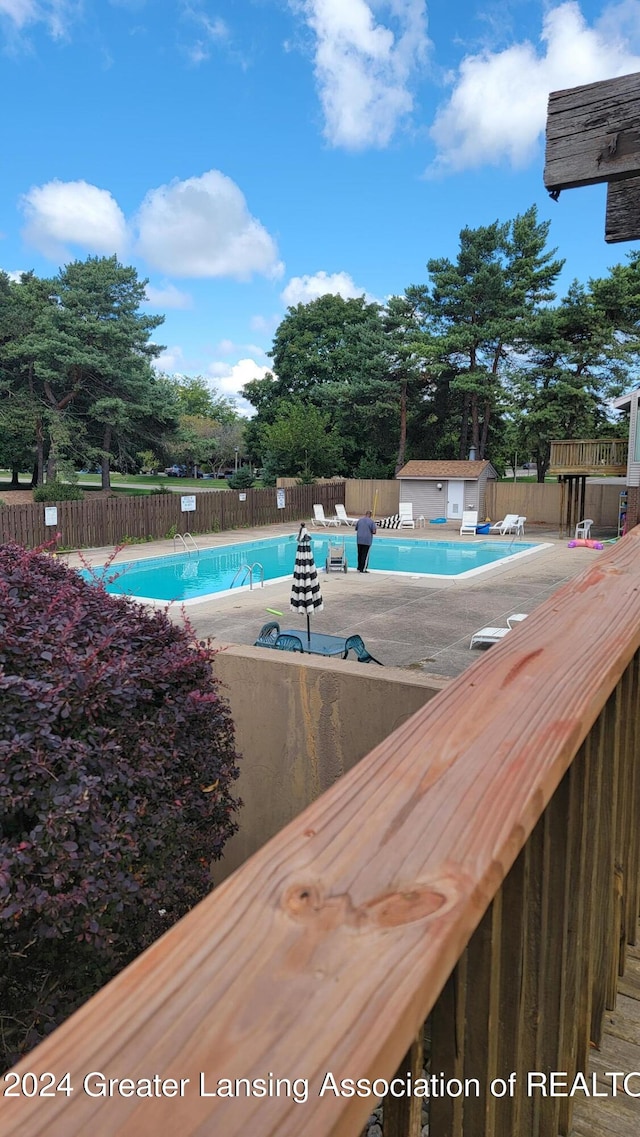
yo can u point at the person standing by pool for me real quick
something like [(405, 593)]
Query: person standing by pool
[(365, 528)]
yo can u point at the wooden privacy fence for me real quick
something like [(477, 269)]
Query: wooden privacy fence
[(372, 493), (378, 494), (100, 521), (478, 870), (541, 503)]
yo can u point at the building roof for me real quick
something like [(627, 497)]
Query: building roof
[(625, 400), (468, 470)]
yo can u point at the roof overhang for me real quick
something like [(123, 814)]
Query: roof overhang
[(624, 401)]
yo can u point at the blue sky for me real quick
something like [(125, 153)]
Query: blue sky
[(246, 155)]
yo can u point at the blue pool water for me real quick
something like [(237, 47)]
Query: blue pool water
[(183, 577)]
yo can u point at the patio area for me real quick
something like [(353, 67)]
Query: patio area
[(409, 622)]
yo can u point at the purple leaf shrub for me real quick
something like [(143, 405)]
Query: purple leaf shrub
[(116, 765)]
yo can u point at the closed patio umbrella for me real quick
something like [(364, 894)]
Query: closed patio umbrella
[(305, 591)]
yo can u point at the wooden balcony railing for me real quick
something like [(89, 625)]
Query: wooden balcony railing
[(478, 870), (606, 456)]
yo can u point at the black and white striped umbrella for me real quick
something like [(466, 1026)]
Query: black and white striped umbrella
[(305, 591)]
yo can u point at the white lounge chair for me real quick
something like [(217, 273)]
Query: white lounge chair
[(520, 526), (405, 512), (508, 525), (489, 636), (583, 529), (320, 519), (469, 521), (342, 516)]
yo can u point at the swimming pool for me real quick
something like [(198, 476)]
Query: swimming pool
[(216, 571)]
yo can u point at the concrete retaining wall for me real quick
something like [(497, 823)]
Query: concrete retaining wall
[(300, 723)]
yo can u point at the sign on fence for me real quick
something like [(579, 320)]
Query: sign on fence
[(188, 503), (280, 499), (51, 515)]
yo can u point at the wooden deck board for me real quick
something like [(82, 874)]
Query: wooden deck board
[(620, 1051)]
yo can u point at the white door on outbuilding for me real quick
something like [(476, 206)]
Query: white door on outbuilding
[(455, 499)]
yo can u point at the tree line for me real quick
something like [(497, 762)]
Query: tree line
[(78, 386), (483, 358)]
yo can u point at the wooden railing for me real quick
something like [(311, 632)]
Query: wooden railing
[(476, 870), (589, 456)]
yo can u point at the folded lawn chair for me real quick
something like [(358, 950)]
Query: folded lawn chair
[(342, 516), (508, 525), (469, 521), (320, 519), (356, 643), (489, 636), (268, 634)]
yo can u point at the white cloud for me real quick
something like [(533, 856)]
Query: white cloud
[(56, 14), (230, 379), (171, 360), (226, 378), (302, 289), (168, 297), (16, 275), (498, 106), (20, 12), (364, 69), (212, 32), (230, 347), (201, 227), (267, 324), (75, 213)]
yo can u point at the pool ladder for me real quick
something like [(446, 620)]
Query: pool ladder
[(247, 570), (183, 537)]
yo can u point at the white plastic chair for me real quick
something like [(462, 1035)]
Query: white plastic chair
[(405, 513), (520, 526), (320, 519), (507, 525), (469, 521), (343, 519), (489, 636), (583, 528)]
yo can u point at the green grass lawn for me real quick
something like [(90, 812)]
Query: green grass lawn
[(141, 483), (526, 478), (153, 480)]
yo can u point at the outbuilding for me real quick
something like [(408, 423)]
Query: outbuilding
[(445, 489)]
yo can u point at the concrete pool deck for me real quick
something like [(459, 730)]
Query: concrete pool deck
[(412, 622)]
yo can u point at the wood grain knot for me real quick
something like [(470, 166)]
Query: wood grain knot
[(390, 910), (301, 899), (404, 907)]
